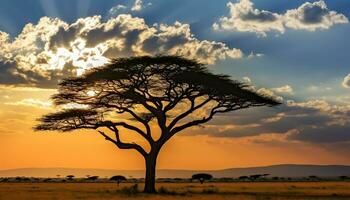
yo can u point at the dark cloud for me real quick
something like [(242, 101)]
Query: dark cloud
[(313, 121), (324, 134), (313, 14), (262, 16), (10, 75)]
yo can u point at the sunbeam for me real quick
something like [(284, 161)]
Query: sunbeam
[(7, 25), (83, 8), (49, 8)]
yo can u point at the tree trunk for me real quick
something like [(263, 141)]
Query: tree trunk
[(150, 181)]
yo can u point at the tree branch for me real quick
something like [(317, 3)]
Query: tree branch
[(122, 145), (138, 118), (130, 127), (189, 111)]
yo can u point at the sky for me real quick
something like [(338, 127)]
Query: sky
[(294, 50)]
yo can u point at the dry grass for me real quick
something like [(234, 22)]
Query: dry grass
[(183, 191)]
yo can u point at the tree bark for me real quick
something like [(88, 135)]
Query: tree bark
[(150, 181)]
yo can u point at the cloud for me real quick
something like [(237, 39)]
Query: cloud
[(137, 5), (313, 16), (314, 121), (32, 103), (247, 80), (346, 81), (266, 91), (269, 92), (244, 17), (287, 89), (116, 10), (44, 53)]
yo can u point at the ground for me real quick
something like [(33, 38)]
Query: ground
[(182, 191)]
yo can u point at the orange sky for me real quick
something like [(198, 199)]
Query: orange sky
[(21, 147)]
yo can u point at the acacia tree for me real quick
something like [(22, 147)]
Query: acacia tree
[(202, 177), (163, 94), (118, 178)]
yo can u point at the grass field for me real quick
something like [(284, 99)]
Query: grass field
[(183, 191)]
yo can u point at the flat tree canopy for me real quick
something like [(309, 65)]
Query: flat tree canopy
[(168, 92), (202, 177), (118, 178)]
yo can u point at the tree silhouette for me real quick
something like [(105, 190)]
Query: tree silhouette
[(70, 177), (255, 176), (202, 177), (162, 95), (243, 177), (118, 178), (92, 178)]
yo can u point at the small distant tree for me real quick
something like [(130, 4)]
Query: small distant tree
[(202, 177), (243, 177), (344, 178), (313, 177), (4, 180), (255, 176), (92, 178), (118, 179), (47, 180), (163, 94), (70, 177)]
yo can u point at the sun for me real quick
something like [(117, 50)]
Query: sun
[(79, 56)]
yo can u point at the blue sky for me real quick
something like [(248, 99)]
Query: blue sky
[(297, 57), (296, 50)]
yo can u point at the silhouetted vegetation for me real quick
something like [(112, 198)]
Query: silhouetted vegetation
[(132, 190), (243, 177), (202, 177), (157, 86), (314, 178), (118, 179), (92, 178), (70, 177)]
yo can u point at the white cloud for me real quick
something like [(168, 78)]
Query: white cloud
[(313, 16), (244, 17), (346, 81), (270, 93), (45, 52), (247, 80), (287, 89), (137, 5), (32, 103), (114, 11)]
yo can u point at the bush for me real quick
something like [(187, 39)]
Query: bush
[(212, 190), (163, 190), (132, 190)]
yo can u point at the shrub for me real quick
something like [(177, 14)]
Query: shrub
[(211, 190), (132, 190)]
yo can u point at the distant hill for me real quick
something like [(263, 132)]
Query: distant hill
[(287, 170)]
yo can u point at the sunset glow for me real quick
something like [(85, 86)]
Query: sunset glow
[(295, 51)]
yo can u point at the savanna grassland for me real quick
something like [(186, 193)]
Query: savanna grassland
[(195, 191)]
